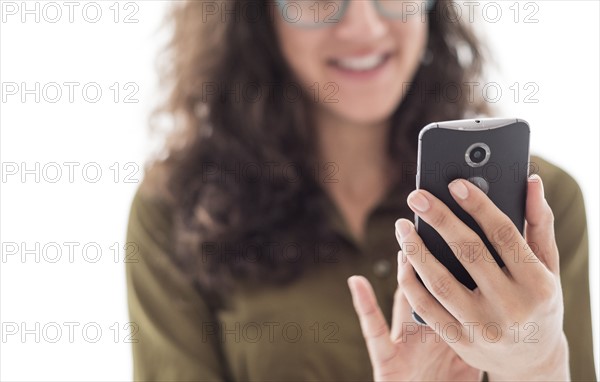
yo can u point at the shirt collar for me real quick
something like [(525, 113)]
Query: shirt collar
[(391, 207)]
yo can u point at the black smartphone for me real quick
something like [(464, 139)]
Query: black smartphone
[(493, 154)]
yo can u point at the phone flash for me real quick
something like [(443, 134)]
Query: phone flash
[(481, 183)]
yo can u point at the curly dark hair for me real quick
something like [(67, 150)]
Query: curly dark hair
[(218, 132)]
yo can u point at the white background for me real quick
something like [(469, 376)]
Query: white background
[(559, 53)]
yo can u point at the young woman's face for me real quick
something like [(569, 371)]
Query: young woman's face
[(359, 66)]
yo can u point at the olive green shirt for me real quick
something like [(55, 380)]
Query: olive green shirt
[(308, 330)]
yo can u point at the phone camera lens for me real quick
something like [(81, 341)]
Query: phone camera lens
[(477, 154)]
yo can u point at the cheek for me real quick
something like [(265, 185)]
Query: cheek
[(301, 51), (412, 40)]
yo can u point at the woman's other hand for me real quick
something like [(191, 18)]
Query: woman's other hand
[(410, 352)]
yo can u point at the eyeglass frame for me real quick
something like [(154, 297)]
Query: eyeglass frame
[(344, 6)]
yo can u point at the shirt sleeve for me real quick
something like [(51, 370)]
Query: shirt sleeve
[(566, 200), (167, 313)]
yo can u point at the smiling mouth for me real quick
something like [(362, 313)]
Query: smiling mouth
[(361, 64)]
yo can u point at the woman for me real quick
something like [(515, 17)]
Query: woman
[(294, 157)]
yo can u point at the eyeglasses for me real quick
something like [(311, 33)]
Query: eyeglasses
[(322, 13)]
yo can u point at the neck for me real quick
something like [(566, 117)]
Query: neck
[(359, 152)]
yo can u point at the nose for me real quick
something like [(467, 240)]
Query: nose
[(361, 22)]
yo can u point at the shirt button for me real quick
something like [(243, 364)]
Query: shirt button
[(382, 268)]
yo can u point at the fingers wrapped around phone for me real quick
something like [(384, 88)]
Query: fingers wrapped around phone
[(420, 299), (520, 260), (523, 266), (466, 245), (452, 295)]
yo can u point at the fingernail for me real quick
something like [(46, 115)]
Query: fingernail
[(458, 188), (403, 227), (349, 280), (535, 178), (417, 200)]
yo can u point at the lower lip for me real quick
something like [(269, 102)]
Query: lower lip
[(363, 74)]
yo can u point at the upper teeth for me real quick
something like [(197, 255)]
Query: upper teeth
[(361, 63)]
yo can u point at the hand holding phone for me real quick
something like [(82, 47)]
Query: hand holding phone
[(491, 153)]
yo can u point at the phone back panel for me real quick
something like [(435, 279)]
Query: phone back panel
[(442, 159)]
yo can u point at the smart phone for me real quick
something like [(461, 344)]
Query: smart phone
[(493, 154)]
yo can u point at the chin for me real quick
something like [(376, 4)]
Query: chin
[(366, 111), (366, 117)]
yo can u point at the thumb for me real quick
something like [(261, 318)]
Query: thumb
[(539, 228)]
